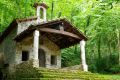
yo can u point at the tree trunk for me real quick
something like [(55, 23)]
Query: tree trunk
[(99, 53), (75, 50), (25, 4), (109, 55), (119, 46), (52, 10), (87, 24)]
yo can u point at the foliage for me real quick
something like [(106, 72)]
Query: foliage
[(115, 69), (70, 57), (23, 70)]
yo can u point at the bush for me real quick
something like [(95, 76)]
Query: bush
[(92, 68), (24, 70), (115, 69)]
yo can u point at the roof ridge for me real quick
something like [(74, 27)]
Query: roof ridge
[(26, 19)]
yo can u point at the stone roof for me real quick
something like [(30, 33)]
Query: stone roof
[(63, 39)]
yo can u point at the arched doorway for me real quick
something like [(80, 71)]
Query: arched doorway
[(41, 57)]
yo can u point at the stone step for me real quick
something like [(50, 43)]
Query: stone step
[(64, 73), (58, 70), (48, 79), (55, 74), (63, 79), (74, 77), (68, 76)]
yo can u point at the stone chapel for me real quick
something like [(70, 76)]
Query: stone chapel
[(41, 40)]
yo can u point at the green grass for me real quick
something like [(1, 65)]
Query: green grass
[(112, 76)]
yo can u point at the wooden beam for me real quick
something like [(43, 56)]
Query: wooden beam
[(49, 30)]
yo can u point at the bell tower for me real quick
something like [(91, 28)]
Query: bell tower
[(41, 11)]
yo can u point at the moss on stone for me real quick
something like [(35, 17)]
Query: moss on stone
[(25, 71)]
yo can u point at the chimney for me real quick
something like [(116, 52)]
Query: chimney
[(41, 11)]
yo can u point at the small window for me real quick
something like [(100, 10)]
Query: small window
[(25, 55), (53, 60)]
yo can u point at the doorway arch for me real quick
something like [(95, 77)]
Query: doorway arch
[(41, 57)]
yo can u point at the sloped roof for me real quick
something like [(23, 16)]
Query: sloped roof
[(63, 39), (12, 25)]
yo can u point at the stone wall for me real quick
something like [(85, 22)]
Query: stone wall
[(1, 55), (9, 47), (22, 47), (24, 25), (12, 51), (1, 48), (49, 47)]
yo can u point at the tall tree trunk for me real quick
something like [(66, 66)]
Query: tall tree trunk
[(19, 9), (119, 45), (25, 4), (87, 23), (99, 45), (109, 51), (75, 50), (59, 14), (52, 10), (99, 52)]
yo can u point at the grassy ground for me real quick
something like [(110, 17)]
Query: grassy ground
[(113, 77)]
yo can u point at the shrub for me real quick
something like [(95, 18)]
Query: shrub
[(24, 70), (115, 69), (92, 68)]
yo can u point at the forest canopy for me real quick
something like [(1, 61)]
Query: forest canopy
[(98, 19)]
